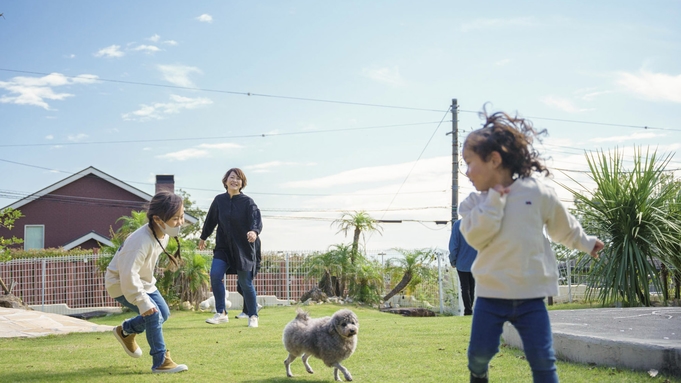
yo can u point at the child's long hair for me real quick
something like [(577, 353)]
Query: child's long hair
[(512, 138), (165, 205)]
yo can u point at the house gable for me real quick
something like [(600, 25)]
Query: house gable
[(74, 208)]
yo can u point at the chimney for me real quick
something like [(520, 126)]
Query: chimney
[(165, 182)]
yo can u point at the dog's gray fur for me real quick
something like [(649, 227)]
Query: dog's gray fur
[(331, 339)]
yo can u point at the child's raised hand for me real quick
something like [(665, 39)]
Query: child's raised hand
[(597, 247), (501, 189)]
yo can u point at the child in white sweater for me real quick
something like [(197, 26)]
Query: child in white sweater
[(130, 280), (507, 221)]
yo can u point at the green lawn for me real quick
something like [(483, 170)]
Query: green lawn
[(391, 348)]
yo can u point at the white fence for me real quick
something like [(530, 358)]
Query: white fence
[(75, 285)]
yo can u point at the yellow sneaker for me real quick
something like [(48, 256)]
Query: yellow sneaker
[(169, 366), (128, 342)]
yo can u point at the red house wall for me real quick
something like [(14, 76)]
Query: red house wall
[(87, 204)]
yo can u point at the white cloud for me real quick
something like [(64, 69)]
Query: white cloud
[(184, 154), (49, 137), (76, 137), (502, 62), (170, 42), (634, 136), (159, 110), (562, 104), (497, 23), (35, 90), (205, 18), (200, 151), (146, 48), (266, 167), (155, 38), (396, 172), (110, 51), (651, 86), (178, 74), (386, 75), (221, 146)]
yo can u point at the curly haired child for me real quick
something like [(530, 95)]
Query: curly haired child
[(509, 220)]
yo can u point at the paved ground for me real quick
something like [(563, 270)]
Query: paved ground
[(637, 338), (30, 323)]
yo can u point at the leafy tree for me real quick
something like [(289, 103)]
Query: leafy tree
[(330, 269), (414, 266), (366, 281), (192, 231), (7, 218), (360, 222), (630, 211)]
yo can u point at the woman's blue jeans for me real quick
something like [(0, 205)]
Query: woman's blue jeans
[(530, 318), (151, 324), (245, 280)]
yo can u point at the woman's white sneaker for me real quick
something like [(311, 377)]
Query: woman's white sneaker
[(253, 321), (243, 315), (218, 318)]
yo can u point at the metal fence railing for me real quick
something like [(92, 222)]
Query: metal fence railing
[(74, 284)]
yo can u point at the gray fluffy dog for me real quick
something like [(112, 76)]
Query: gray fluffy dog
[(331, 339)]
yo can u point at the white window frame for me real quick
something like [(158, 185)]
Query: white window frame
[(26, 227)]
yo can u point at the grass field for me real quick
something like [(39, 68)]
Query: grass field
[(391, 348)]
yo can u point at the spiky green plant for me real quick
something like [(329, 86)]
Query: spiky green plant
[(630, 211)]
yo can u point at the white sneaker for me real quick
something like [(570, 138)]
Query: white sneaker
[(253, 321), (218, 318), (243, 315)]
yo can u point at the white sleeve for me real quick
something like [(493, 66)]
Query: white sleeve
[(482, 217), (563, 228), (131, 260)]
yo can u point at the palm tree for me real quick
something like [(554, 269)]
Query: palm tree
[(330, 269), (366, 281), (360, 222), (414, 267), (630, 211)]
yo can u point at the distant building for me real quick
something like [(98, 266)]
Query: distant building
[(79, 210)]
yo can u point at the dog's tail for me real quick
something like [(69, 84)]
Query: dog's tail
[(302, 315)]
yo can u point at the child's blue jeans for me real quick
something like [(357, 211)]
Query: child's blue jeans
[(530, 318), (151, 324)]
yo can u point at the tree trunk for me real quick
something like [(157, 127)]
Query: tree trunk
[(677, 285), (4, 288), (664, 275), (355, 245), (406, 278)]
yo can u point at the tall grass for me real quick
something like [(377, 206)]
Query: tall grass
[(391, 348)]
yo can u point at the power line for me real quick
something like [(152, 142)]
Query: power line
[(310, 99), (258, 135), (249, 94)]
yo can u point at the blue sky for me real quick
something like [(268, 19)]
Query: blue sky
[(348, 104)]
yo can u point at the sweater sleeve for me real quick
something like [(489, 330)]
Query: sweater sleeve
[(454, 243), (211, 220), (563, 228), (131, 261), (256, 219), (482, 218)]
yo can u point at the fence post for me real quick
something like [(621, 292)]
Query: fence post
[(42, 287), (439, 279), (288, 281)]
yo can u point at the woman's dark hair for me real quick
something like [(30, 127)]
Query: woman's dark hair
[(165, 205), (239, 173), (512, 138)]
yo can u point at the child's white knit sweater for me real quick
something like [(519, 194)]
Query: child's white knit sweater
[(515, 260)]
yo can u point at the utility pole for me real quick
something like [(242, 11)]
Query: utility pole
[(455, 160)]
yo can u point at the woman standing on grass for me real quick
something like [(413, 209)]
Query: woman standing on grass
[(508, 221), (237, 245), (130, 280)]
